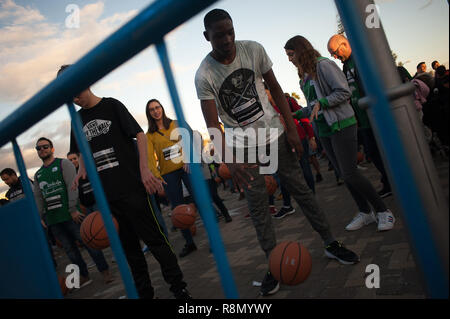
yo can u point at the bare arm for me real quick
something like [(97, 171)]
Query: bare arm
[(240, 175), (151, 183)]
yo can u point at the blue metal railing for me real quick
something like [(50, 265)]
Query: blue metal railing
[(399, 167), (148, 27)]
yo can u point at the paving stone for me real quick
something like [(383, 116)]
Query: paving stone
[(399, 276)]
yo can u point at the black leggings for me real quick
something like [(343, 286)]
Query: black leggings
[(341, 149)]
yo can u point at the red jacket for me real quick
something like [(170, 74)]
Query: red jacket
[(304, 128)]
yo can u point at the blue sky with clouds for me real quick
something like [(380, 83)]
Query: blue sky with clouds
[(34, 41)]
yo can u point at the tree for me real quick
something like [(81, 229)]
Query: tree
[(340, 26)]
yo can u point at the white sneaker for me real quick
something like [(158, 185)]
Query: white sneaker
[(385, 220), (361, 220)]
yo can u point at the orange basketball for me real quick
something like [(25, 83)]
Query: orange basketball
[(217, 180), (62, 284), (290, 263), (193, 230), (271, 184), (93, 231), (224, 172), (183, 216), (360, 157)]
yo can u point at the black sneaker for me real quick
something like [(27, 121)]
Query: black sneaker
[(183, 294), (187, 249), (228, 218), (385, 192), (319, 178), (337, 251), (284, 211), (269, 285)]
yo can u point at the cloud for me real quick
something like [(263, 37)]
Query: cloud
[(31, 48), (19, 15)]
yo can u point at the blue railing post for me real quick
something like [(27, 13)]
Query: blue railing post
[(422, 237), (199, 186), (53, 286)]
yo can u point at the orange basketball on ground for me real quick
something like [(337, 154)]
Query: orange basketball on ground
[(360, 157), (290, 263), (271, 184), (224, 172), (62, 284), (93, 231), (193, 230), (183, 216)]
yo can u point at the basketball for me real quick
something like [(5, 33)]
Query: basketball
[(62, 284), (224, 172), (183, 216), (217, 180), (93, 231), (360, 157), (271, 184), (290, 263)]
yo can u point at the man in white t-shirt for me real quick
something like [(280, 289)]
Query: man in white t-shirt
[(229, 84)]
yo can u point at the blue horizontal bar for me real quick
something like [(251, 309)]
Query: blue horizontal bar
[(145, 29)]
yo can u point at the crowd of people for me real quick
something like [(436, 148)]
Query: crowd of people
[(236, 86)]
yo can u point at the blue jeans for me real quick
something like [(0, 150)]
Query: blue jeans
[(67, 233), (174, 191), (306, 167)]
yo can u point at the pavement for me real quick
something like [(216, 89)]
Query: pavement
[(391, 251)]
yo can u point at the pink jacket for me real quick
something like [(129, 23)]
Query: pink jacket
[(420, 93)]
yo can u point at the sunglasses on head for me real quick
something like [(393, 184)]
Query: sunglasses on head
[(45, 147)]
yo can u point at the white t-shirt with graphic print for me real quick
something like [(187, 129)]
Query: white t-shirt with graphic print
[(238, 91)]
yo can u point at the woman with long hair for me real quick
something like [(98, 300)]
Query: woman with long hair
[(168, 163), (327, 92)]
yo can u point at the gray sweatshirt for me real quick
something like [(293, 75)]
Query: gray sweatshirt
[(333, 93)]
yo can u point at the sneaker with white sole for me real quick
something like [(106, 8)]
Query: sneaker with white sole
[(336, 250), (269, 285), (284, 211), (361, 220), (386, 220)]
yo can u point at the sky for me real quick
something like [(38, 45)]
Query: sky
[(37, 36)]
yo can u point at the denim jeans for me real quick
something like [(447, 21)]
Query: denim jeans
[(174, 191), (306, 167), (67, 233)]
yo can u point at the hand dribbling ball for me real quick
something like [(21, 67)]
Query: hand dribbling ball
[(93, 231), (290, 263), (183, 216)]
